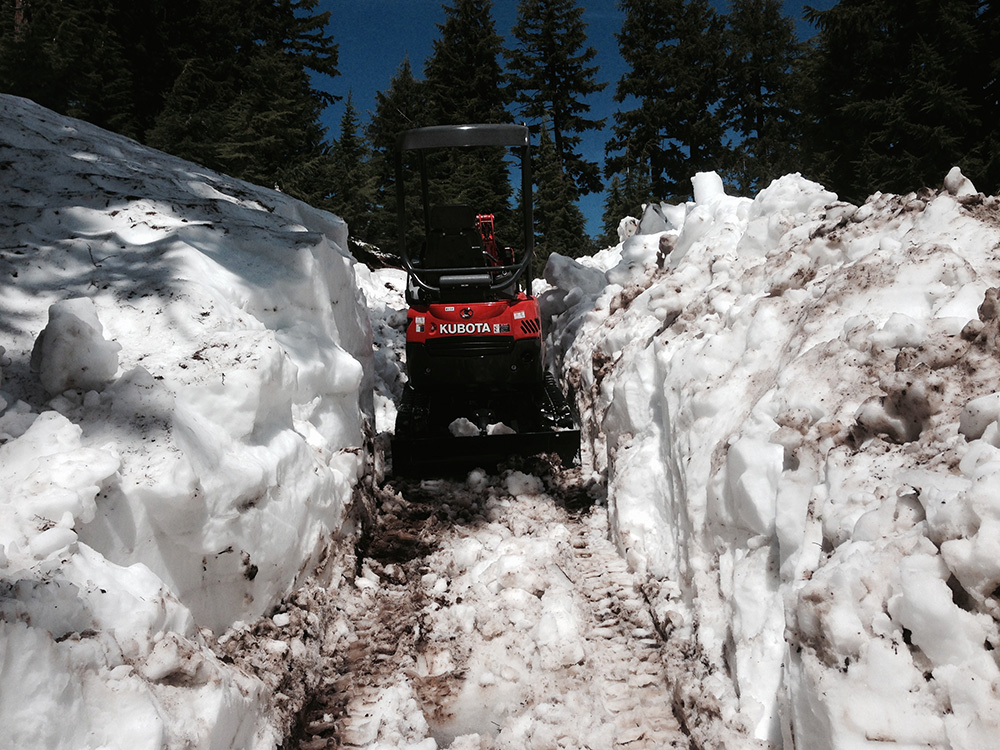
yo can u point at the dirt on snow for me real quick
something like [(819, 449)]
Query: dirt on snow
[(492, 612)]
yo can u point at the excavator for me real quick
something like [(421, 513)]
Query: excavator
[(478, 393)]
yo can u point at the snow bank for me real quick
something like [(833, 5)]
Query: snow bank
[(187, 380), (795, 403)]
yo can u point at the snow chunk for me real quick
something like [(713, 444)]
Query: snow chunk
[(627, 227), (71, 351), (653, 221), (48, 474), (978, 414), (957, 184), (518, 483), (557, 636), (707, 187), (753, 470), (570, 274), (463, 427), (924, 605), (898, 331)]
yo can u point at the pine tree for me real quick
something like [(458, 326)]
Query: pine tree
[(761, 51), (626, 196), (552, 75), (988, 75), (674, 128), (245, 103), (464, 83), (226, 83), (614, 211), (68, 56), (401, 107), (559, 224), (352, 184), (896, 96), (158, 36), (464, 79)]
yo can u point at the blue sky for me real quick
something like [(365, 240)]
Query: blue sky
[(374, 37)]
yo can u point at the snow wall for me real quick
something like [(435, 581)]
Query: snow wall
[(794, 400), (186, 387)]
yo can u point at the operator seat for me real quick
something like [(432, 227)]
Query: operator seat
[(453, 240)]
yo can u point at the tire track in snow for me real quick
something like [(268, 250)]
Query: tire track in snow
[(634, 688), (488, 615)]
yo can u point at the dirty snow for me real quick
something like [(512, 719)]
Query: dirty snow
[(489, 614), (784, 532), (794, 401), (186, 378)]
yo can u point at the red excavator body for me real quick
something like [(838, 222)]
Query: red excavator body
[(477, 392)]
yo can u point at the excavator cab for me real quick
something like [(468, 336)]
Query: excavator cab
[(457, 237), (477, 391)]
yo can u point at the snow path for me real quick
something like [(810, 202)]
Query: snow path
[(493, 613), (528, 630)]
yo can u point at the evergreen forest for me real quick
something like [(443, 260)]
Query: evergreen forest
[(886, 96)]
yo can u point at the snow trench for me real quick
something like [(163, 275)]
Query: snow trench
[(782, 534)]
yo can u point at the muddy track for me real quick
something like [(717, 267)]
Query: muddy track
[(490, 614)]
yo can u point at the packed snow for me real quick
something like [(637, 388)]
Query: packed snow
[(487, 613), (187, 370), (790, 403), (794, 402)]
